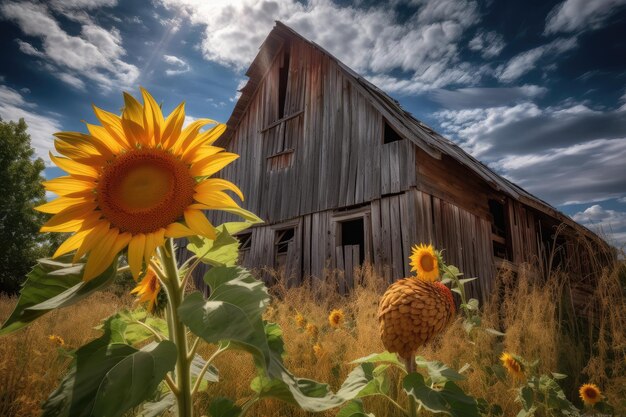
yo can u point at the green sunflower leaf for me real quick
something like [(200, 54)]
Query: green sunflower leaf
[(53, 284), (108, 378)]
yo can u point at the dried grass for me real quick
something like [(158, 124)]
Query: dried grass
[(526, 307)]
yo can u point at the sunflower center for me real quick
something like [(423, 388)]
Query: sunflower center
[(590, 393), (427, 262), (144, 190)]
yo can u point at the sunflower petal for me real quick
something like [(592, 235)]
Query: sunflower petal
[(91, 239), (197, 221), (136, 249), (113, 124), (210, 165), (215, 199), (69, 219), (71, 243), (93, 146), (132, 121), (204, 138), (153, 241), (67, 186), (103, 136), (189, 134), (152, 118), (177, 230), (74, 168), (218, 184), (202, 153), (59, 204), (100, 256), (173, 126)]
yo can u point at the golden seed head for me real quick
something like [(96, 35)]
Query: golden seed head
[(411, 313)]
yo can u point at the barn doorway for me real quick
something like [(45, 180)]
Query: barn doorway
[(352, 244)]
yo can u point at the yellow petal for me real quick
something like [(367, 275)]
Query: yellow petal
[(102, 135), (152, 118), (86, 143), (173, 126), (153, 241), (95, 235), (189, 134), (177, 230), (59, 204), (71, 243), (132, 121), (218, 184), (197, 221), (74, 168), (100, 256), (113, 124), (123, 239), (210, 165), (215, 199), (135, 254), (133, 110), (204, 138), (69, 219), (68, 186), (202, 153)]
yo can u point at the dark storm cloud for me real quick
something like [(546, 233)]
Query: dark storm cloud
[(555, 130), (476, 97)]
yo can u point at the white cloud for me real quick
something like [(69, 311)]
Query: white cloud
[(370, 40), (29, 49), (95, 54), (579, 15), (489, 44), (72, 80), (622, 200), (528, 60), (40, 127), (178, 66), (81, 4), (611, 223)]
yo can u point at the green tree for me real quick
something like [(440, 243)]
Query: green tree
[(20, 191)]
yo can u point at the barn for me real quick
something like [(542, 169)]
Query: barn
[(342, 175)]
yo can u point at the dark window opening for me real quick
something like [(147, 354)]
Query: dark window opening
[(390, 135), (283, 79), (499, 230), (352, 233), (245, 241), (284, 238)]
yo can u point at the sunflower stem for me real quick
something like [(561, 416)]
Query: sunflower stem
[(409, 363), (175, 295)]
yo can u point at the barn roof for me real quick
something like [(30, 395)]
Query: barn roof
[(406, 124)]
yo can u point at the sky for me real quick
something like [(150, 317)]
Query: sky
[(535, 89)]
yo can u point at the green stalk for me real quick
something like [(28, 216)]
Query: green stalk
[(410, 367), (177, 329)]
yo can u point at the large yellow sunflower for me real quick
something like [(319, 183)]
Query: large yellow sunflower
[(135, 180), (424, 261)]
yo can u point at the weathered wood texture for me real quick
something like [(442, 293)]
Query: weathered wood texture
[(339, 158)]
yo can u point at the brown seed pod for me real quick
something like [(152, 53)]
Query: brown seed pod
[(411, 313)]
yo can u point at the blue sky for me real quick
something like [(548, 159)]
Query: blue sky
[(535, 89)]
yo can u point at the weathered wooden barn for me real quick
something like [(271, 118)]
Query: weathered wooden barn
[(342, 175)]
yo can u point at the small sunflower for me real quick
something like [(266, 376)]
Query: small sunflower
[(134, 181), (335, 318), (424, 261), (56, 339), (318, 350), (312, 330), (148, 289), (590, 394), (300, 321), (512, 365)]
